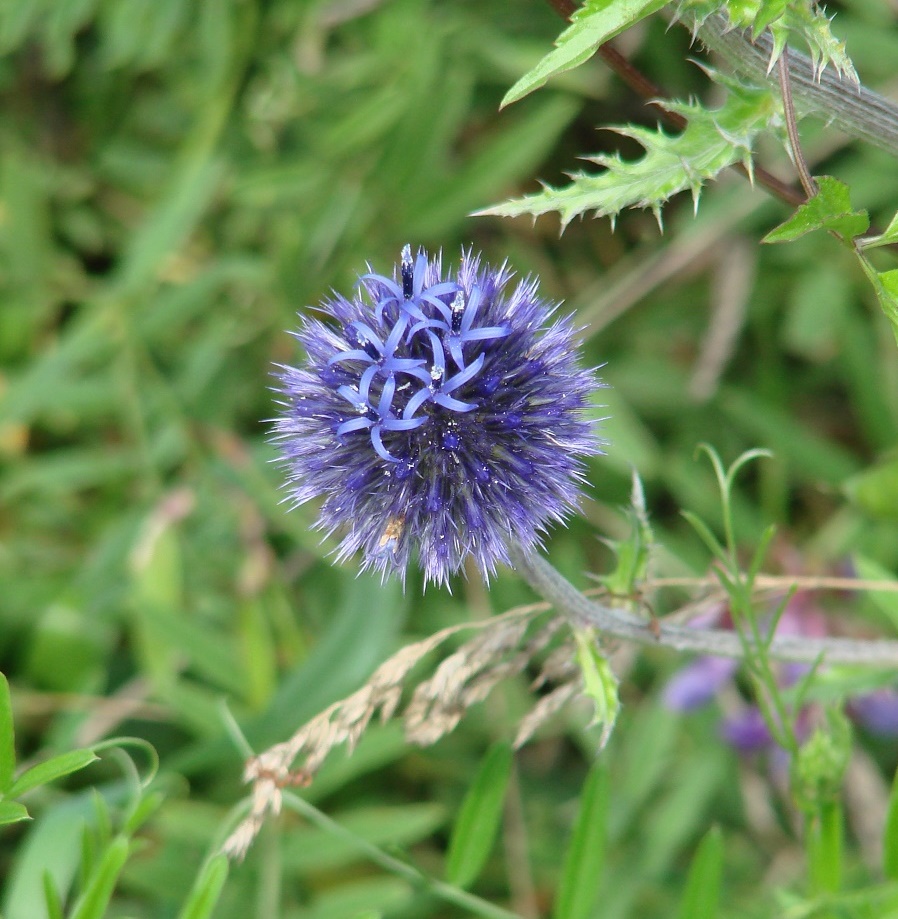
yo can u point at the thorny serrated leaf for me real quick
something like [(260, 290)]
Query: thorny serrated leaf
[(712, 141), (599, 682), (797, 24)]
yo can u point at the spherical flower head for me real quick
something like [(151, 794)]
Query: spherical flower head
[(442, 415)]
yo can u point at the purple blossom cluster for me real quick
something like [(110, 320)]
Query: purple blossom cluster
[(440, 414)]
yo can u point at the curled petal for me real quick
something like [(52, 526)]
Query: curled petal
[(354, 424), (402, 424), (386, 397), (365, 383), (453, 405), (379, 447), (352, 396), (487, 333), (368, 334), (464, 376), (353, 354), (417, 400)]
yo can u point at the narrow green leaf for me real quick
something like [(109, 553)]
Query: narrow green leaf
[(142, 810), (206, 890), (52, 899), (7, 738), (101, 884), (594, 23), (52, 769), (704, 531), (824, 845), (479, 818), (829, 209), (13, 812), (585, 854), (890, 835), (702, 894)]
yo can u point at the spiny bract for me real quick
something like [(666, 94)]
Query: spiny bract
[(439, 414)]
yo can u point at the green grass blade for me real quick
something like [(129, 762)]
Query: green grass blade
[(702, 894), (53, 900), (7, 738), (93, 902), (586, 852), (478, 821), (206, 890)]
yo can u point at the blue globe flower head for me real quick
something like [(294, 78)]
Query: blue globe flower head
[(437, 415)]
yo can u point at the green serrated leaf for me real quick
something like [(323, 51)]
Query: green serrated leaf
[(206, 890), (52, 769), (586, 853), (702, 894), (794, 23), (712, 141), (810, 22), (599, 682), (478, 821), (768, 11), (7, 738), (830, 209), (594, 23)]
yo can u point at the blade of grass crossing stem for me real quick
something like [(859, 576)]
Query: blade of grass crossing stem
[(890, 835), (478, 821), (586, 851), (7, 738), (206, 890), (702, 893)]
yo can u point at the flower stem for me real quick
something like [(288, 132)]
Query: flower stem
[(807, 180), (620, 623)]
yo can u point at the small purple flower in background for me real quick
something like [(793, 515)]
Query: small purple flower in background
[(436, 412), (743, 727)]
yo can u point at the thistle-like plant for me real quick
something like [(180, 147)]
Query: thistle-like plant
[(443, 413)]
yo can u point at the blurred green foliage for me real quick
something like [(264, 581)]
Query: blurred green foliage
[(179, 178)]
